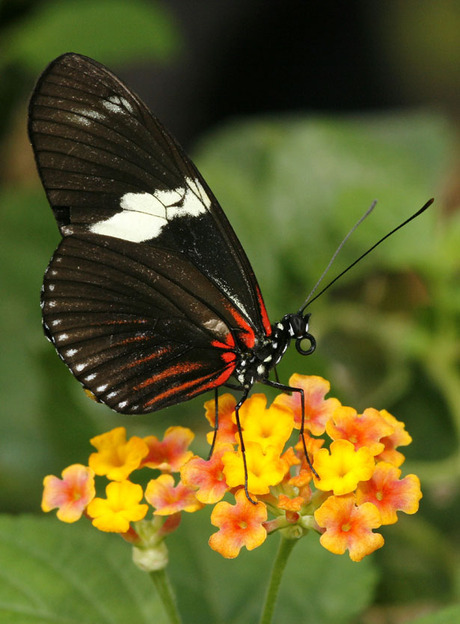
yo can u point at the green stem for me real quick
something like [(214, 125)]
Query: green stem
[(282, 556), (166, 595)]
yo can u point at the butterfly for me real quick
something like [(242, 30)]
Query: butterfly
[(149, 298)]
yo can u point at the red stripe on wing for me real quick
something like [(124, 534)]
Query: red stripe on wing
[(263, 313), (199, 382)]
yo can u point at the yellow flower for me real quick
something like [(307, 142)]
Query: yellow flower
[(117, 457), (265, 468), (341, 469), (268, 427), (114, 513)]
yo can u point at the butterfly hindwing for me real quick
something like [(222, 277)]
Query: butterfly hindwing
[(133, 330)]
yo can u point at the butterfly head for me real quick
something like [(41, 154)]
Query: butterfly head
[(296, 327)]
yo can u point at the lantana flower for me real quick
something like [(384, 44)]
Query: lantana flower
[(71, 494), (366, 429), (172, 452), (342, 467), (239, 525), (389, 493), (121, 507), (207, 477), (168, 498), (117, 457), (265, 467), (318, 410), (354, 488), (348, 526)]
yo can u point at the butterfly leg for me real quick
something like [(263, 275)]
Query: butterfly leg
[(283, 388), (243, 450), (216, 422)]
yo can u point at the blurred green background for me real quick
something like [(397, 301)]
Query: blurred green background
[(298, 114)]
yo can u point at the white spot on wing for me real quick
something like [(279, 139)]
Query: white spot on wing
[(71, 352), (90, 377), (144, 215)]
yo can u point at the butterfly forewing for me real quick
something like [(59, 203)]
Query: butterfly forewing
[(150, 295)]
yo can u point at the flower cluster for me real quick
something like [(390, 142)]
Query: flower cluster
[(355, 487)]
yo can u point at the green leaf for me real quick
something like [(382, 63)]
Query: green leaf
[(68, 574), (113, 31)]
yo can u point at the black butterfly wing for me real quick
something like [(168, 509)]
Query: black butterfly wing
[(109, 167), (140, 330), (150, 297)]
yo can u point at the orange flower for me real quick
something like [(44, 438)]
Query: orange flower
[(71, 494), (366, 429), (170, 454), (117, 457), (348, 526), (168, 498), (399, 437), (239, 525), (207, 476), (318, 410), (390, 494)]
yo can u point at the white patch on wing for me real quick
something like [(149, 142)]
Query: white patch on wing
[(93, 114), (117, 104), (217, 326), (144, 215), (84, 116)]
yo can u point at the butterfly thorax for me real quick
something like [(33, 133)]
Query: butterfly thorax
[(255, 365)]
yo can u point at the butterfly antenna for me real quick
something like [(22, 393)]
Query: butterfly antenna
[(309, 299), (336, 252)]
